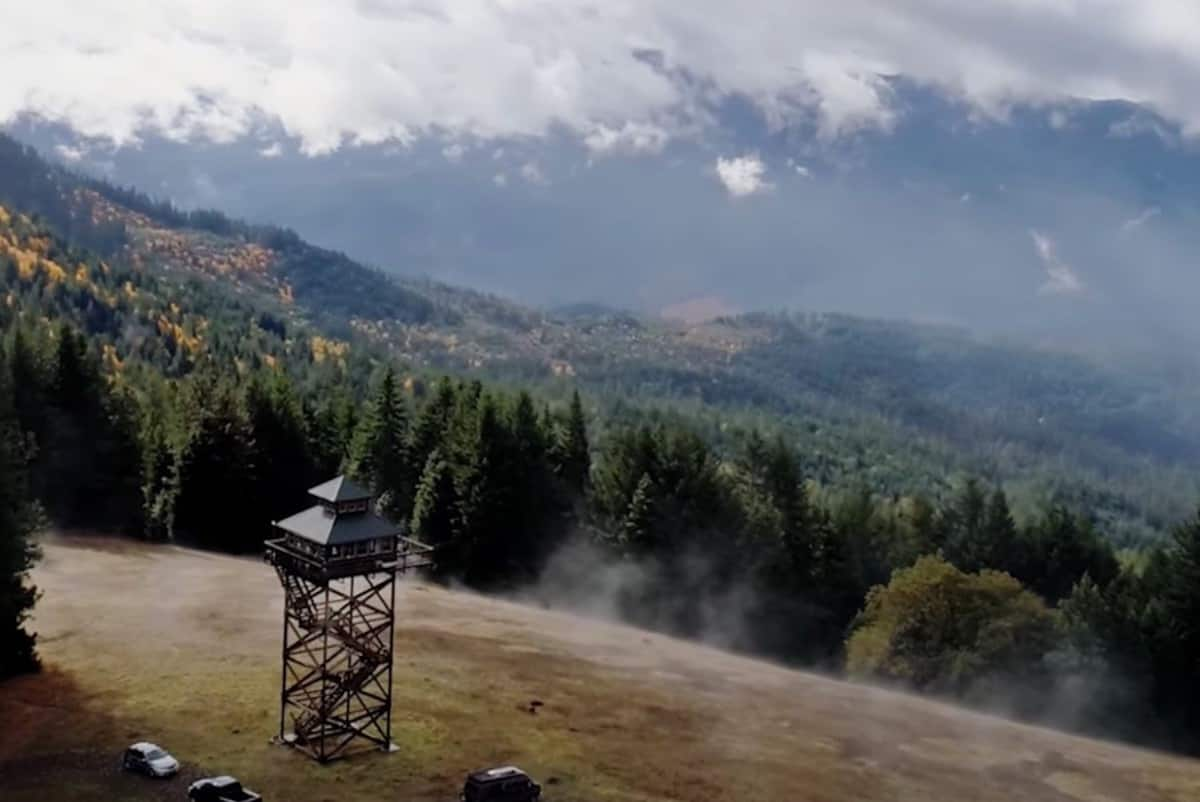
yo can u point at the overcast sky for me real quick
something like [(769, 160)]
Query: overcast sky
[(618, 74)]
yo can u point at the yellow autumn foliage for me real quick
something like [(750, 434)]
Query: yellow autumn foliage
[(323, 349)]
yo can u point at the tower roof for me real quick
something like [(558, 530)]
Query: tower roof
[(340, 489), (321, 525)]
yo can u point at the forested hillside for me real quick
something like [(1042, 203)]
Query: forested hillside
[(179, 383), (900, 407)]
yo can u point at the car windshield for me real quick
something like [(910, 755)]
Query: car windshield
[(155, 754)]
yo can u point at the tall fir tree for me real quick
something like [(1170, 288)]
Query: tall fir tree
[(637, 532), (216, 469), (574, 452), (18, 519), (435, 515), (380, 455), (433, 422), (282, 455)]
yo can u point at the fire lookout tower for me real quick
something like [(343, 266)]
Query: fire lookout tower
[(337, 562)]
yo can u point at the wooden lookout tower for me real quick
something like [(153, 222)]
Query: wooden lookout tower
[(338, 562)]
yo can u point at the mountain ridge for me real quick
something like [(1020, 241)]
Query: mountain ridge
[(898, 406)]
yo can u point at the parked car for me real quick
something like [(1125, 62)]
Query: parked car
[(504, 784), (149, 759), (220, 789)]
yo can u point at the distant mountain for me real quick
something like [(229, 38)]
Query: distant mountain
[(1068, 224), (900, 406)]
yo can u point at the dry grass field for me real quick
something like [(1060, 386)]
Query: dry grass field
[(182, 648)]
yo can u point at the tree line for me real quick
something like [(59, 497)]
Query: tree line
[(954, 598)]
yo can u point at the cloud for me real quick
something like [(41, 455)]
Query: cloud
[(618, 75), (1141, 125), (70, 153), (742, 175), (533, 174), (500, 180), (631, 137), (801, 170), (454, 152), (1134, 223), (1061, 279), (272, 151)]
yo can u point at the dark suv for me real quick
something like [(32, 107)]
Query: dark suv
[(505, 784)]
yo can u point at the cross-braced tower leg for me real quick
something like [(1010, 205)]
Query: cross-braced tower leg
[(337, 662)]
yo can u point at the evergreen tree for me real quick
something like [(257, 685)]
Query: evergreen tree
[(435, 515), (433, 422), (573, 453), (1058, 550), (18, 553), (962, 534), (330, 422), (380, 454), (485, 493), (637, 534), (160, 474), (215, 470), (282, 457), (1000, 548), (118, 486), (535, 506), (29, 372)]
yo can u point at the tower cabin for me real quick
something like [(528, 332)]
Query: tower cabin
[(341, 536)]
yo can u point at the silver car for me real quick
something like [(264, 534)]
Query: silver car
[(149, 759)]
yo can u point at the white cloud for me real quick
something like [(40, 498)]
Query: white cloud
[(742, 175), (632, 137), (454, 152), (70, 153), (1061, 279), (332, 72), (801, 170), (500, 180), (272, 151), (533, 174), (1134, 223)]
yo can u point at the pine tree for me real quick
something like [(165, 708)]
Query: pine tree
[(638, 527), (282, 456), (29, 372), (433, 422), (120, 460), (159, 486), (536, 507), (18, 518), (215, 469), (1058, 550), (435, 514), (963, 538), (330, 423), (485, 487), (1000, 548), (380, 455), (574, 452)]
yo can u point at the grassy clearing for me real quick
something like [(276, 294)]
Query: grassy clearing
[(627, 716)]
